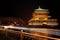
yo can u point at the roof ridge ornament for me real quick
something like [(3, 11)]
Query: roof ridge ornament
[(39, 8)]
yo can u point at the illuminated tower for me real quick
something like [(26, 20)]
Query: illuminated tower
[(40, 16)]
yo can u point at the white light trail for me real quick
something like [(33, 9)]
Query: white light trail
[(41, 30)]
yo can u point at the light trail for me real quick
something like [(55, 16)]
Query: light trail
[(14, 27), (41, 30), (28, 34)]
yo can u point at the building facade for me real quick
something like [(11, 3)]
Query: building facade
[(41, 16)]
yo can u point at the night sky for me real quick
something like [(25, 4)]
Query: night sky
[(25, 8)]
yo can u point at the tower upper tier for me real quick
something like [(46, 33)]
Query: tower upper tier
[(40, 9)]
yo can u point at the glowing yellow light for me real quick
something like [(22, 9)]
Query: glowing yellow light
[(36, 18), (46, 18), (44, 22)]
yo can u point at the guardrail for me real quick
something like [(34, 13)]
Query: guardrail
[(32, 29), (39, 36), (36, 36)]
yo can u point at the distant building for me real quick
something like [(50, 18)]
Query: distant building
[(13, 21), (40, 16)]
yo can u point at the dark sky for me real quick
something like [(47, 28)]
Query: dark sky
[(24, 8)]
